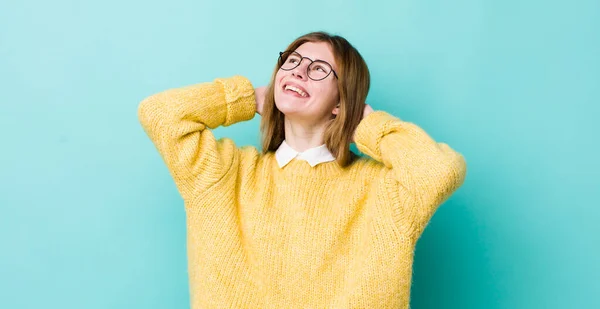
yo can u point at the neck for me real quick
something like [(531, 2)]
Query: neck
[(302, 136)]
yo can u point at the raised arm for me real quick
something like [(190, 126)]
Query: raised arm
[(426, 172), (176, 120)]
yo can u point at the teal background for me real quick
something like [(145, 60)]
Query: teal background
[(91, 219)]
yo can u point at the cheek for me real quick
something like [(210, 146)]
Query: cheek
[(278, 77), (334, 92), (276, 81), (329, 94)]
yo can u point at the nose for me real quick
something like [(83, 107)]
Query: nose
[(301, 70)]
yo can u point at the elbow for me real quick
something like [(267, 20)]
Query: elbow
[(149, 111), (455, 171), (144, 109), (459, 168)]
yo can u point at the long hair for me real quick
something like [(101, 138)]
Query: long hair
[(353, 86)]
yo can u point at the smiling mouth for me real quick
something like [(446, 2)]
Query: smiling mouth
[(296, 90)]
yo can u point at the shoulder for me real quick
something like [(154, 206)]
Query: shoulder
[(249, 153), (364, 162), (365, 166), (252, 158)]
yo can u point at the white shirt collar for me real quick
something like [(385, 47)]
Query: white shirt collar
[(285, 154)]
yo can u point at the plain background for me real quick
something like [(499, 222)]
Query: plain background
[(90, 218)]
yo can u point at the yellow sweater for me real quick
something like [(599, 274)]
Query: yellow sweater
[(260, 236)]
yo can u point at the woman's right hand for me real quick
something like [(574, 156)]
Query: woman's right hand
[(260, 94)]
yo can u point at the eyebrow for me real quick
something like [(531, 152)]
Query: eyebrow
[(331, 64)]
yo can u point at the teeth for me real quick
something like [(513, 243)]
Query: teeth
[(302, 93)]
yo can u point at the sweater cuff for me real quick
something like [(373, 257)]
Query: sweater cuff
[(239, 97), (372, 129)]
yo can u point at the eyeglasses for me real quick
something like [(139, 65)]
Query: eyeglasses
[(316, 70)]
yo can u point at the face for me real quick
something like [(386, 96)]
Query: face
[(298, 96)]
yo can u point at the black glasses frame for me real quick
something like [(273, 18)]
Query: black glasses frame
[(282, 61)]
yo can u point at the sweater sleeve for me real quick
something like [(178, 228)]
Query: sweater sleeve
[(425, 170), (176, 120)]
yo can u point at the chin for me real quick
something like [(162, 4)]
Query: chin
[(288, 105), (287, 108)]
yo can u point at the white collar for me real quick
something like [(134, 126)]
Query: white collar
[(313, 156)]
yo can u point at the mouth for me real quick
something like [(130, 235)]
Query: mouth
[(296, 90)]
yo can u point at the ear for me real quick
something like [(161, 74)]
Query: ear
[(336, 110)]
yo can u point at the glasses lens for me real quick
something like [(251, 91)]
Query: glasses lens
[(290, 60), (319, 70)]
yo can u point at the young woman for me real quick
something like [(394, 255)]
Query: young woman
[(304, 223)]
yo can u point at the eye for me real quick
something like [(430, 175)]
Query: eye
[(292, 59), (319, 68)]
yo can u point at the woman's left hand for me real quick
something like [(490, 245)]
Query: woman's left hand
[(367, 111)]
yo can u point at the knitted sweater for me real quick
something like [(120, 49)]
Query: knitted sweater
[(261, 236)]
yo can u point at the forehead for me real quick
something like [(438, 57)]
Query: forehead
[(317, 50)]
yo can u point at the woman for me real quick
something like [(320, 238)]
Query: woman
[(305, 223)]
